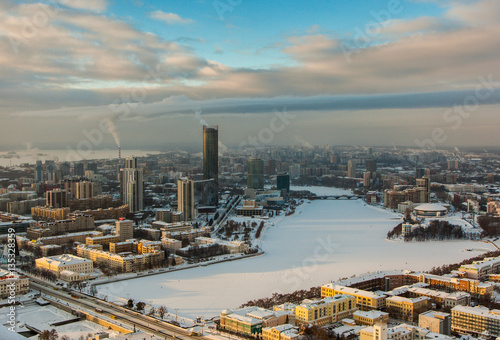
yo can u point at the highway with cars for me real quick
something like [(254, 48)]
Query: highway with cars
[(116, 314)]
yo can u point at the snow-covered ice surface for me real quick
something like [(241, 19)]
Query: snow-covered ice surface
[(322, 241)]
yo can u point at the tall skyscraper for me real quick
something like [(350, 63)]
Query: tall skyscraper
[(185, 198), (132, 185), (78, 169), (371, 165), (38, 172), (84, 190), (351, 168), (125, 229), (283, 184), (51, 175), (424, 184), (211, 154), (255, 179), (57, 198)]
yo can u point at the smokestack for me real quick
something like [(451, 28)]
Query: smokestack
[(119, 155)]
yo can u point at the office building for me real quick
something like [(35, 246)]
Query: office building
[(406, 309), (132, 185), (371, 165), (38, 172), (78, 169), (351, 168), (475, 320), (211, 155), (84, 190), (57, 198), (125, 229), (436, 322), (325, 311), (283, 184), (365, 300), (205, 194), (185, 198), (255, 179)]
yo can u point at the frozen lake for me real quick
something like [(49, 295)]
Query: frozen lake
[(322, 241)]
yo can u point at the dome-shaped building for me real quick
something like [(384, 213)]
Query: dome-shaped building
[(430, 210)]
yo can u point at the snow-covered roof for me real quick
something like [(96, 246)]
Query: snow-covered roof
[(430, 207)]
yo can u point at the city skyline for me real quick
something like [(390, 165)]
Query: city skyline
[(394, 72)]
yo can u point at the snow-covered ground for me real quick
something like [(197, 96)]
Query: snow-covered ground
[(322, 241), (43, 317)]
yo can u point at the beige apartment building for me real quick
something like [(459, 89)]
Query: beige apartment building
[(365, 300), (406, 309), (326, 310), (475, 320)]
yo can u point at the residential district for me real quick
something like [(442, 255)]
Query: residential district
[(72, 225)]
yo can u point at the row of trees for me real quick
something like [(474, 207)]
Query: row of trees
[(140, 306), (259, 230), (490, 225), (197, 252), (277, 298), (436, 230)]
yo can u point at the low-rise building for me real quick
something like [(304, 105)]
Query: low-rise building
[(171, 244), (475, 320), (67, 267), (102, 240), (406, 309), (481, 269), (365, 300), (326, 310), (370, 318), (250, 320), (436, 322), (282, 332), (125, 262), (13, 284)]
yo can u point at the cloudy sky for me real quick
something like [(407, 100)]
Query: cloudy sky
[(359, 72)]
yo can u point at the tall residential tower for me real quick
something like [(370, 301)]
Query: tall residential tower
[(132, 185)]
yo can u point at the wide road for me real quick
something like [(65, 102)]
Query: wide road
[(125, 316)]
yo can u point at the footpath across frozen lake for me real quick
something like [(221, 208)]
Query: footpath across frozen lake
[(323, 241)]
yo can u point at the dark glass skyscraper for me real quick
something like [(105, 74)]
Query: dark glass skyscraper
[(255, 178), (211, 153), (211, 156)]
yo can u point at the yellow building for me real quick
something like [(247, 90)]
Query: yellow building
[(102, 240), (370, 318), (405, 308), (67, 267), (123, 262), (365, 300), (325, 311), (283, 332), (475, 320)]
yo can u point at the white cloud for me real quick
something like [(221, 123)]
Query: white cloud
[(91, 5), (170, 18)]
